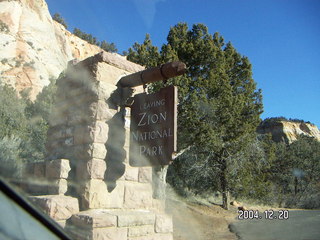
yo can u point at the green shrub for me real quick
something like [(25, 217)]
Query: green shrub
[(23, 128), (4, 27), (11, 162), (58, 18), (4, 61), (30, 44)]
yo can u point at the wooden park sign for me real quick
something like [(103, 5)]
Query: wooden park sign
[(153, 128)]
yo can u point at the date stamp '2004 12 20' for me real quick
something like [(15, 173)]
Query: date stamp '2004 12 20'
[(267, 214)]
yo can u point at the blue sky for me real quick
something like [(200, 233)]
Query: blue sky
[(280, 37)]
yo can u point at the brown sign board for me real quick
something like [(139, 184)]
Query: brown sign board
[(153, 128)]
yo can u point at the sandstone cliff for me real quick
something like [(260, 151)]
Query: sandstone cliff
[(288, 131), (33, 47)]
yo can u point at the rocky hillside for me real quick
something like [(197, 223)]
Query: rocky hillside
[(33, 47), (288, 131)]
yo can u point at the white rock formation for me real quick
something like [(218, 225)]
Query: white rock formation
[(33, 47), (288, 131)]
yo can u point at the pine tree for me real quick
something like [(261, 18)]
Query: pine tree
[(295, 173), (145, 54), (219, 105), (58, 18), (109, 47)]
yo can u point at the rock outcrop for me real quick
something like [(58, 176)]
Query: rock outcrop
[(288, 131), (34, 48)]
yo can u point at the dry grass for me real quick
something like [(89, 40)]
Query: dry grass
[(202, 218), (198, 218)]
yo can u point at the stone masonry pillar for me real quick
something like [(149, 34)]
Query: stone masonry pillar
[(90, 126), (86, 123)]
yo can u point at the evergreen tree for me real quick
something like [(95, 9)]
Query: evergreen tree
[(251, 171), (109, 47), (219, 105), (58, 18), (296, 173), (13, 131), (85, 36), (145, 54), (37, 113), (12, 118), (23, 128)]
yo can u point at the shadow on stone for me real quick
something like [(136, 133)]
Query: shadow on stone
[(116, 137), (115, 150)]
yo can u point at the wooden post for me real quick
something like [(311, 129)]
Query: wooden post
[(163, 72)]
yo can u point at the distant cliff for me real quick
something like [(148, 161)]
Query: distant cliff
[(288, 131), (33, 47)]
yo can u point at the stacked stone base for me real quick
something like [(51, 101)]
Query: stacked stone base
[(106, 224), (58, 207)]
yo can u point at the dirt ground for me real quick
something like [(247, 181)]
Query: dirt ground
[(201, 222)]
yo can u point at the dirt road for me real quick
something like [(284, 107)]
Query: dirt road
[(200, 222), (210, 222)]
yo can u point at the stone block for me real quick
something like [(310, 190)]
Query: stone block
[(55, 145), (59, 115), (83, 152), (103, 111), (80, 115), (89, 133), (68, 141), (55, 132), (163, 223), (148, 237), (91, 169), (68, 131), (138, 195), (108, 73), (135, 218), (98, 110), (145, 174), (39, 169), (100, 132), (167, 236), (89, 151), (58, 186), (58, 168), (82, 134), (131, 173), (94, 194), (117, 61), (105, 90), (139, 231), (115, 198), (34, 186), (77, 95), (153, 237), (62, 223), (109, 234), (99, 150), (95, 218), (158, 205), (58, 207), (35, 170)]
